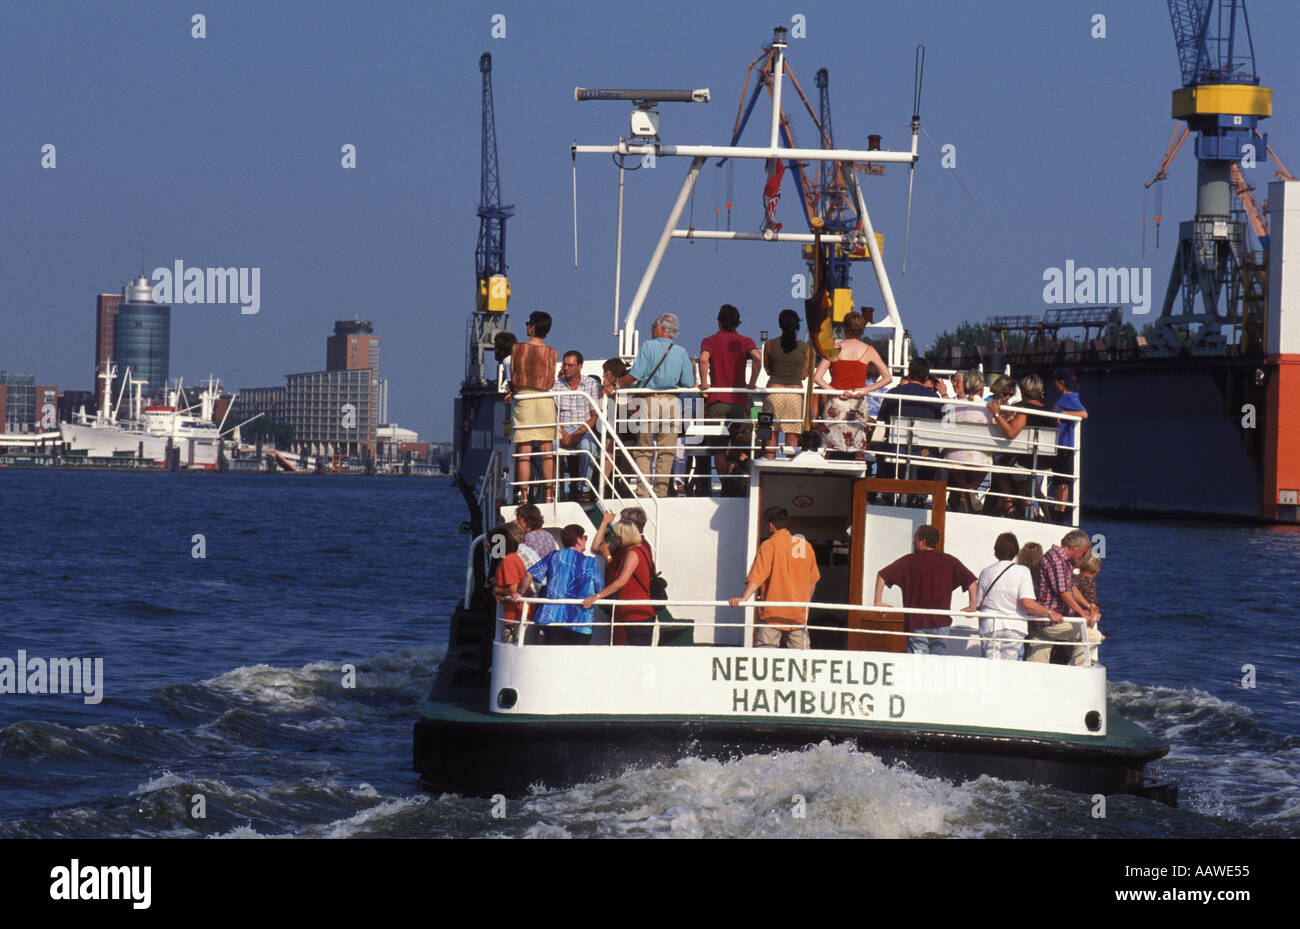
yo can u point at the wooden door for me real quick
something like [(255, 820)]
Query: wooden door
[(862, 589)]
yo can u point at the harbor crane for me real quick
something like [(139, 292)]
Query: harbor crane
[(492, 287), (1217, 281)]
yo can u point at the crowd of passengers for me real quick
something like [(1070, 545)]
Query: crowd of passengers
[(1043, 606), (532, 562), (1052, 595), (553, 407)]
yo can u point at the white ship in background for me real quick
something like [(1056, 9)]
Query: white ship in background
[(149, 432)]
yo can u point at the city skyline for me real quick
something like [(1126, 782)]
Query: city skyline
[(231, 151)]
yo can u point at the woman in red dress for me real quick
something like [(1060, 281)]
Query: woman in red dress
[(627, 574), (846, 413)]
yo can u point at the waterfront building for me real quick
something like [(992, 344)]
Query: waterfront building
[(46, 408), (142, 336), (72, 402), (337, 411), (249, 401), (333, 412), (18, 400), (105, 325), (353, 345), (394, 444)]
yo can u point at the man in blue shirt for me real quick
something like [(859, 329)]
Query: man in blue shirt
[(894, 405), (570, 574), (1068, 387), (654, 419)]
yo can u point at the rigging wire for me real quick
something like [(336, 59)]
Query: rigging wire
[(956, 176), (1160, 196), (574, 156), (1144, 223), (918, 75)]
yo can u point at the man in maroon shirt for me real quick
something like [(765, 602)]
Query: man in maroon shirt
[(928, 577), (722, 364)]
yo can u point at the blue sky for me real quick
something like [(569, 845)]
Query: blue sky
[(225, 151)]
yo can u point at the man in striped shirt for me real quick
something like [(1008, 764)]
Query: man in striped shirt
[(576, 414)]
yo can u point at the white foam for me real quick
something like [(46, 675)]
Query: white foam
[(162, 782), (844, 793), (279, 689), (364, 819)]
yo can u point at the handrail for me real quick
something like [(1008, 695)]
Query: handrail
[(528, 602), (697, 443), (606, 433)]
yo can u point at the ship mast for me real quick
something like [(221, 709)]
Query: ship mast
[(645, 141)]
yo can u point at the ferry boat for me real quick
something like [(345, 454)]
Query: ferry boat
[(505, 713)]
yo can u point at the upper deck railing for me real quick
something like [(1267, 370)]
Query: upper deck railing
[(1013, 476)]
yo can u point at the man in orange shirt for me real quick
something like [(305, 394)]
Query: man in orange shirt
[(786, 570)]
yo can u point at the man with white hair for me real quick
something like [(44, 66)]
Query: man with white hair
[(661, 365)]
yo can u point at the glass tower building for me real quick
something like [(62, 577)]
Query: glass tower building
[(142, 336)]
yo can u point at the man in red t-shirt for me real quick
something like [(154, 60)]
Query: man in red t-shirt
[(722, 364), (928, 577)]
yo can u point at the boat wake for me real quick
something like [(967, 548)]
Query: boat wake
[(1228, 765)]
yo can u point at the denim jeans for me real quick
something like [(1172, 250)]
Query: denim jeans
[(919, 644), (576, 463)]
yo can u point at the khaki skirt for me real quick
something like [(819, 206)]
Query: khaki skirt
[(533, 419), (786, 409)]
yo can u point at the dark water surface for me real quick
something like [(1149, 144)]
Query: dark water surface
[(224, 677)]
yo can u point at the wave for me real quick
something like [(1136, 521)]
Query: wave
[(1189, 715)]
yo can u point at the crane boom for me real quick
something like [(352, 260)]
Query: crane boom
[(491, 285)]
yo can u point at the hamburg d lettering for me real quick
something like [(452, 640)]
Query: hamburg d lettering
[(802, 701)]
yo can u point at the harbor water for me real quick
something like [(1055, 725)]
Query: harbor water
[(266, 641)]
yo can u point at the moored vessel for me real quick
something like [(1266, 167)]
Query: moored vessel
[(160, 433)]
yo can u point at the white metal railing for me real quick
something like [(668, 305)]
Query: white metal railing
[(609, 446), (518, 635), (892, 443)]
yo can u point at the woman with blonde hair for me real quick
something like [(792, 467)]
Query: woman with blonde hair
[(627, 574), (846, 413)]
